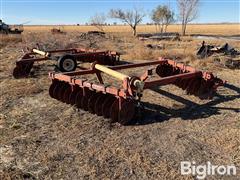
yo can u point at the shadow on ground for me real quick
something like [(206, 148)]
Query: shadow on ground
[(154, 113)]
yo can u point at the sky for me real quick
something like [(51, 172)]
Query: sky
[(47, 12)]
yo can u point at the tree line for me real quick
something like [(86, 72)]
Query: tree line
[(162, 16)]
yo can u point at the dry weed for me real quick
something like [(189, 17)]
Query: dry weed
[(9, 39), (43, 138)]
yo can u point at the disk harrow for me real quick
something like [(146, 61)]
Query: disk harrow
[(67, 60), (120, 103)]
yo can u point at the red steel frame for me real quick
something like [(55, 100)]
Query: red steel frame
[(25, 64), (90, 53), (126, 90), (119, 103)]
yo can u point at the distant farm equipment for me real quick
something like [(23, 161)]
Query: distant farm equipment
[(207, 50), (96, 32), (67, 60), (57, 31), (10, 29)]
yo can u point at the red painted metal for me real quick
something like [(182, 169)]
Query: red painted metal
[(119, 103), (25, 64)]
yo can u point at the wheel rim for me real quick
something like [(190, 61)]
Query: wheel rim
[(68, 65)]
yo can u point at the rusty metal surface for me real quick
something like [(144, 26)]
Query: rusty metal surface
[(119, 103), (81, 55)]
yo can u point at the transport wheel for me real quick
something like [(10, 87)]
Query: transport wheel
[(67, 63)]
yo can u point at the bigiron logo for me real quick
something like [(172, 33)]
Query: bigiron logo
[(208, 169)]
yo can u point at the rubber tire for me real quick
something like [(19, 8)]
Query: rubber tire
[(61, 61)]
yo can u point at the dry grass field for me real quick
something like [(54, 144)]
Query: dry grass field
[(215, 29), (42, 138)]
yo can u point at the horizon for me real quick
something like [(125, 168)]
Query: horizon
[(77, 11), (127, 25)]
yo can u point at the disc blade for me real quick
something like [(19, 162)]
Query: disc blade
[(28, 67), (190, 85), (91, 102), (60, 91), (66, 94), (98, 104), (19, 72), (114, 111), (127, 112), (185, 83), (85, 98), (73, 95), (56, 89), (52, 87), (109, 100), (78, 99), (194, 87)]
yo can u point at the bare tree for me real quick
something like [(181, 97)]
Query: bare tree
[(169, 18), (162, 16), (132, 18), (98, 20), (158, 16), (188, 10)]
